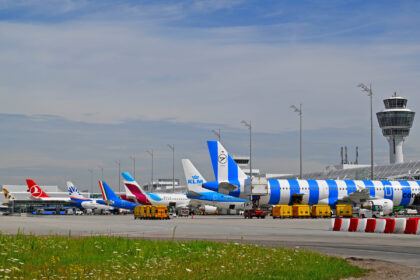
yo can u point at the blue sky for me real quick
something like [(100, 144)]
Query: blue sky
[(186, 67)]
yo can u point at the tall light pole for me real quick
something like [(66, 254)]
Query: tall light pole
[(152, 155), (300, 113), (118, 162), (102, 172), (217, 133), (250, 147), (133, 158), (370, 94), (172, 147), (91, 179)]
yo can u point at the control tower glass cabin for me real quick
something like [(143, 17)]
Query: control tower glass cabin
[(395, 121)]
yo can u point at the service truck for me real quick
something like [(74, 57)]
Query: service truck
[(376, 208)]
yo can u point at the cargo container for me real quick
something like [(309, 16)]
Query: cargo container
[(151, 212), (344, 210), (281, 211), (301, 211), (140, 212), (321, 211), (159, 212)]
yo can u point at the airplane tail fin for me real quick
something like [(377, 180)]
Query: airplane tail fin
[(7, 194), (131, 185), (194, 179), (224, 167), (73, 191), (35, 190), (107, 193)]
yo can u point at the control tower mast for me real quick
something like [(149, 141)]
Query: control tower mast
[(395, 122)]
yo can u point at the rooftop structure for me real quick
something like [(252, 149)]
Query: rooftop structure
[(398, 171), (395, 122), (166, 186), (243, 163)]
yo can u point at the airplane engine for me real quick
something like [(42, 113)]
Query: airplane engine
[(208, 209), (387, 205), (87, 205)]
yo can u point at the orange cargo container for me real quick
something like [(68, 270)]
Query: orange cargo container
[(281, 211), (344, 210), (321, 211), (301, 211)]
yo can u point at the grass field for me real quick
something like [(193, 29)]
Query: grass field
[(31, 257)]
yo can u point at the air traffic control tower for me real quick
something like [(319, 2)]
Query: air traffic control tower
[(395, 122)]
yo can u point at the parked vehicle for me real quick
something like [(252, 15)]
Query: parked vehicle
[(151, 212), (255, 212)]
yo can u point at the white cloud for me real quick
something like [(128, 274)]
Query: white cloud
[(139, 62), (107, 72)]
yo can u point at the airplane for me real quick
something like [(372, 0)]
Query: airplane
[(38, 194), (84, 202), (7, 194), (230, 179), (204, 197), (110, 198), (135, 192)]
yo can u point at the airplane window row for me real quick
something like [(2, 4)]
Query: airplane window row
[(342, 189)]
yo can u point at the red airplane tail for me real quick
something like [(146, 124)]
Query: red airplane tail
[(35, 190)]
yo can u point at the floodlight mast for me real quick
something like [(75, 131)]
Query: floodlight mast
[(91, 179), (152, 155), (133, 158), (172, 147), (217, 133), (368, 90), (102, 172), (249, 125), (300, 113), (118, 162)]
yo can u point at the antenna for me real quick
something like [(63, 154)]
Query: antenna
[(346, 159), (357, 155)]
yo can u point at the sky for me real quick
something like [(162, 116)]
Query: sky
[(86, 83)]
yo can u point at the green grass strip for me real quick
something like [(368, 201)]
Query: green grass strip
[(55, 257)]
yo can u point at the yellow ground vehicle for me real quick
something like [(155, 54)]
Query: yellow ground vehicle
[(281, 211), (344, 210), (159, 212), (301, 211), (321, 211), (151, 212)]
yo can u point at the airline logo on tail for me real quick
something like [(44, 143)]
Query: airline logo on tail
[(35, 190), (195, 179), (7, 195), (134, 189), (230, 179), (73, 191), (104, 194), (224, 167), (222, 158)]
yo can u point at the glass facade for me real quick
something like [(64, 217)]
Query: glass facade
[(408, 170), (396, 132), (395, 119), (395, 103)]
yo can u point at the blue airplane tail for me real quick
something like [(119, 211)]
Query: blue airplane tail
[(107, 192), (224, 167)]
